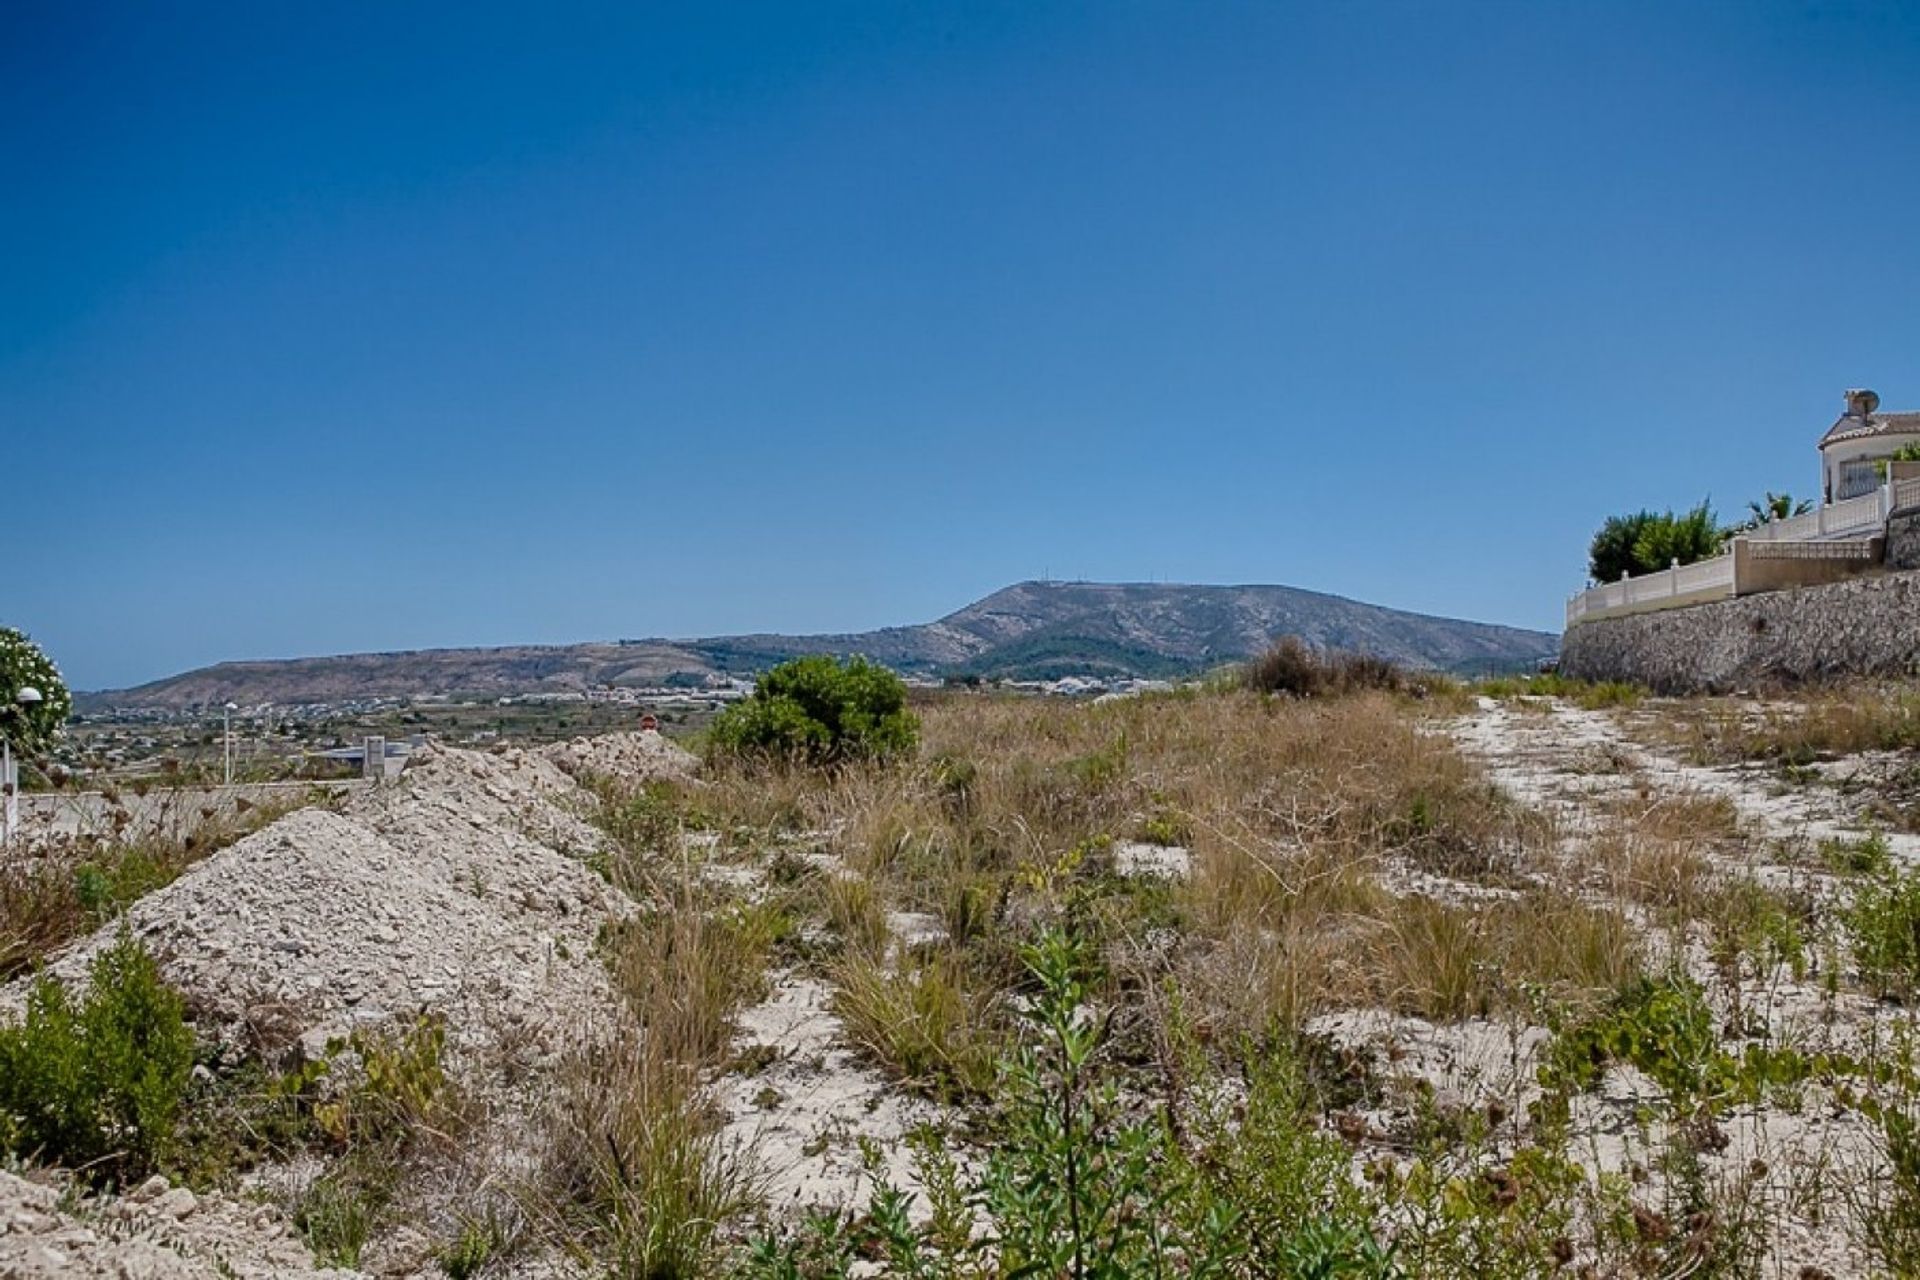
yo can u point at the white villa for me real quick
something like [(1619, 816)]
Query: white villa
[(1856, 448), (1862, 489)]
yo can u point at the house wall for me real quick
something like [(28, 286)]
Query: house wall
[(1865, 626), (1834, 456)]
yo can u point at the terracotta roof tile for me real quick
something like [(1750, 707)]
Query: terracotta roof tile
[(1876, 424)]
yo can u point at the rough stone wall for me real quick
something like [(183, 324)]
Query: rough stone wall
[(1866, 626), (1903, 540)]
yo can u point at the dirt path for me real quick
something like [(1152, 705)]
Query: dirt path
[(1563, 759)]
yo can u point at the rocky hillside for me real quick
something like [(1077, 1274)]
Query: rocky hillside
[(1033, 629)]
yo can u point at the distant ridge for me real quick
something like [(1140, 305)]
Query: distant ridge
[(1032, 630)]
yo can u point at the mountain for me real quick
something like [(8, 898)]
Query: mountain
[(1034, 630)]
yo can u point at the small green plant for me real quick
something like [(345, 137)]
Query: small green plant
[(1883, 915), (402, 1084), (1166, 826), (1661, 1025), (820, 710), (339, 1210), (1868, 857), (481, 1239), (400, 1094), (97, 1083)]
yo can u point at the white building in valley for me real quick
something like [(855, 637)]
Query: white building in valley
[(1863, 438)]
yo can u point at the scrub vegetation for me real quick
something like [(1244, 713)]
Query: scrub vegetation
[(1327, 969)]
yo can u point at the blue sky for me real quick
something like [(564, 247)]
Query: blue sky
[(346, 327)]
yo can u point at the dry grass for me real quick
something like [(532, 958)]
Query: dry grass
[(925, 1019), (1291, 808), (636, 1171), (1817, 725)]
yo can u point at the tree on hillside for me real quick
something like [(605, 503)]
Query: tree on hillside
[(29, 727)]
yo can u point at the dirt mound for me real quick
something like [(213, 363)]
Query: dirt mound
[(157, 1233), (632, 758), (459, 890)]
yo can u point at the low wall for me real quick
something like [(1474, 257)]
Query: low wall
[(1864, 626)]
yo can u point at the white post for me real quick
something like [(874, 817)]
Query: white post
[(1673, 577), (7, 784), (226, 733)]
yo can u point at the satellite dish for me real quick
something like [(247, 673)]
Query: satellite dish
[(1861, 402)]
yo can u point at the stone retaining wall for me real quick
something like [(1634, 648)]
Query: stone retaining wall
[(1903, 540), (1865, 626)]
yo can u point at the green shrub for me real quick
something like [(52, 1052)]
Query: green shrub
[(30, 727), (97, 1083), (821, 710)]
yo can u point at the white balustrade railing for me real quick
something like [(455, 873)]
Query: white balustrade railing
[(1713, 579)]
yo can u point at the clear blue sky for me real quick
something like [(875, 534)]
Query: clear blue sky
[(346, 327)]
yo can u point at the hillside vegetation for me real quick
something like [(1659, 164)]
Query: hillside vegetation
[(1033, 630)]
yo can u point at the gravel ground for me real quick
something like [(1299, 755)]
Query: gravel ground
[(157, 1232)]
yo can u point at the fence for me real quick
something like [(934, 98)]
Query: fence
[(1838, 537)]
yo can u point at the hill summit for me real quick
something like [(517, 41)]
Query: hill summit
[(1032, 630)]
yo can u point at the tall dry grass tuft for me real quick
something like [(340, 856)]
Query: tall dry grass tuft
[(923, 1018), (637, 1172)]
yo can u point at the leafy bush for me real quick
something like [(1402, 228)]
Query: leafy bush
[(1646, 541), (821, 710), (98, 1083)]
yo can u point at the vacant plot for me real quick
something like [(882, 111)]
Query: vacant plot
[(1379, 980)]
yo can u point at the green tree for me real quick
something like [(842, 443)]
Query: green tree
[(1647, 541), (1688, 537), (821, 710), (31, 726), (1612, 551)]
